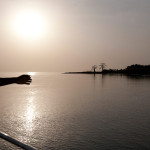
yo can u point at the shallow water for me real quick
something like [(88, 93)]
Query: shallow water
[(77, 112)]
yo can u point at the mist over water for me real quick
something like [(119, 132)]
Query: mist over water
[(76, 111)]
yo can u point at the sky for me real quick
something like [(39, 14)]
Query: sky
[(73, 35)]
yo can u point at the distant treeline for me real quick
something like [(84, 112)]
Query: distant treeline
[(133, 69)]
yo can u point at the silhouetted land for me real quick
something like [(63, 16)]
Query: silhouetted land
[(129, 70), (84, 72)]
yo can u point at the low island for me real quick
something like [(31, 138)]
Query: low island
[(135, 69)]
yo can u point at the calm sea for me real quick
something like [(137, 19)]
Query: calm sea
[(77, 112)]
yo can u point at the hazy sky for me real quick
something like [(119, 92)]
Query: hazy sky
[(73, 35)]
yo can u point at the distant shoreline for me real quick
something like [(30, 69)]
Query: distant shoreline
[(116, 73), (130, 70), (82, 72)]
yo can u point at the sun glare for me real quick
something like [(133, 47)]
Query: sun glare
[(29, 24), (31, 73)]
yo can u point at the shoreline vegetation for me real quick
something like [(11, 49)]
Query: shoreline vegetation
[(135, 69)]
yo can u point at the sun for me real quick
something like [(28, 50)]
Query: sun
[(29, 24)]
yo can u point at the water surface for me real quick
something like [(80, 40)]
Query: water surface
[(77, 112)]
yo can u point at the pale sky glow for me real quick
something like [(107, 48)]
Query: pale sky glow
[(73, 35)]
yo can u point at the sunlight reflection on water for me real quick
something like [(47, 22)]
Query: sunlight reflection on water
[(30, 114), (31, 73)]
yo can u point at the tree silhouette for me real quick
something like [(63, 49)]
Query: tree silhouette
[(138, 69), (102, 66), (94, 68)]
